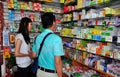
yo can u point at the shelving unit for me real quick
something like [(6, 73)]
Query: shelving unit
[(114, 42), (106, 74), (95, 6), (13, 24), (31, 11), (46, 2), (71, 25), (69, 37), (107, 57)]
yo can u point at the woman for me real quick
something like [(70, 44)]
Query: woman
[(22, 48)]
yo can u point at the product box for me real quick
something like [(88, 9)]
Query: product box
[(87, 3), (62, 1), (79, 4), (16, 5), (10, 5), (11, 1), (106, 1), (93, 2), (6, 52), (12, 38), (117, 11), (100, 1)]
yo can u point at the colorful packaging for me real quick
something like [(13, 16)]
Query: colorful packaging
[(6, 52)]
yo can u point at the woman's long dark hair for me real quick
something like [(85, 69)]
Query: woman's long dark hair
[(23, 28)]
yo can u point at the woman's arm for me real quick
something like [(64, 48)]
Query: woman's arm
[(17, 49)]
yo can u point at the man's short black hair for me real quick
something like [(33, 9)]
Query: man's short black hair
[(47, 20)]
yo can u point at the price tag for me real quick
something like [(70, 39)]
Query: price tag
[(109, 38)]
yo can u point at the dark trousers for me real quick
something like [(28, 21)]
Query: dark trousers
[(24, 72)]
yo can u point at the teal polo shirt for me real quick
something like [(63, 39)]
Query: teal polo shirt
[(52, 47)]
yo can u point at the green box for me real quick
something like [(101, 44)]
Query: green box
[(107, 34), (103, 39), (110, 28)]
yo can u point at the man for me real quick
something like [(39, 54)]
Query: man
[(49, 61)]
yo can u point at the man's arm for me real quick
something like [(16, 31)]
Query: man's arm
[(58, 64)]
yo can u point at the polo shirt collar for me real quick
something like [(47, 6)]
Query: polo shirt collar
[(48, 30)]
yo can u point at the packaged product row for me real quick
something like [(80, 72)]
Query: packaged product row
[(33, 6), (66, 17), (113, 21), (95, 61), (12, 27), (99, 48), (98, 33), (96, 13), (17, 15), (108, 14), (78, 70), (10, 30), (86, 3)]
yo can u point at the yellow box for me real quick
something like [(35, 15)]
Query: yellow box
[(117, 11), (79, 4), (100, 1), (62, 1)]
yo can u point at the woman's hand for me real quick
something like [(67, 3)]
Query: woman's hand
[(32, 54)]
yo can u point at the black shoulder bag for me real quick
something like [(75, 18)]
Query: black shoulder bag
[(35, 63)]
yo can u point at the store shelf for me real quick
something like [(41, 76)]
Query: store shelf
[(70, 27), (30, 32), (93, 53), (17, 21), (102, 5), (97, 6), (57, 4), (69, 12), (34, 11), (69, 21), (35, 32), (66, 22), (107, 75), (71, 3), (89, 40), (98, 18), (27, 10), (44, 2)]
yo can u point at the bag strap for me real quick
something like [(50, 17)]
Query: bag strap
[(41, 45)]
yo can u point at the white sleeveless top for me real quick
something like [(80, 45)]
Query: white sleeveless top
[(23, 61)]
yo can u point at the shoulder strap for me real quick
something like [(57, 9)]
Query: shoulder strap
[(41, 45)]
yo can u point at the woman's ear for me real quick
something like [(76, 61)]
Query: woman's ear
[(54, 24)]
